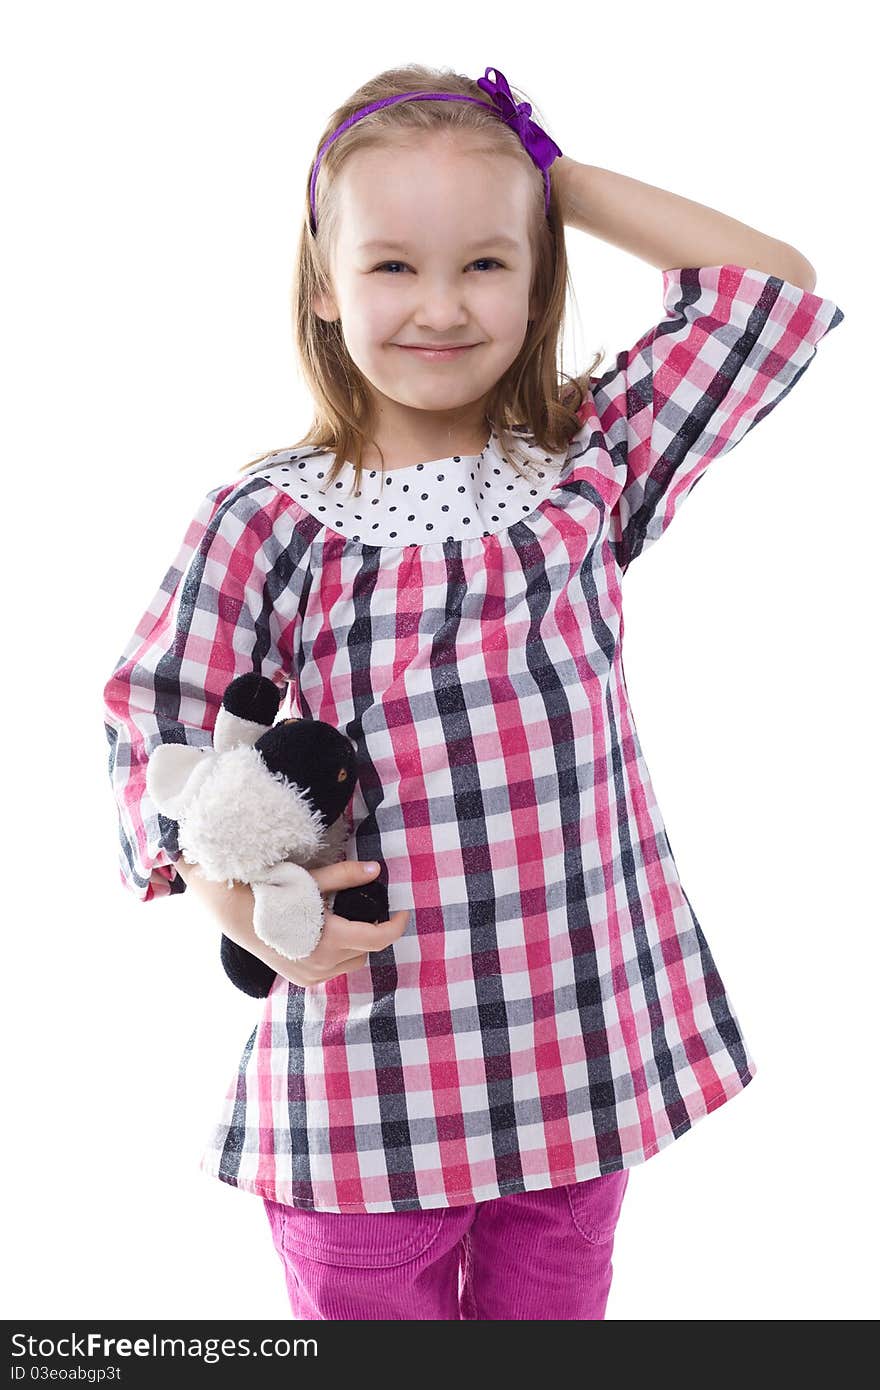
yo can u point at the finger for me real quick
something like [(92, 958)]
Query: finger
[(368, 936), (347, 873)]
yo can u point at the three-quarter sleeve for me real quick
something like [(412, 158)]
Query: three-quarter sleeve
[(733, 343), (230, 603)]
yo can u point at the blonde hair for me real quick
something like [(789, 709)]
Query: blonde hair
[(531, 389)]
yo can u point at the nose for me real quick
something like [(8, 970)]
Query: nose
[(441, 311)]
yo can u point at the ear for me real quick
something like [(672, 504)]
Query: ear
[(325, 306), (231, 731), (174, 772), (249, 706)]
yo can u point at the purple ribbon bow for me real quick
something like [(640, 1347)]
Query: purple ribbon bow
[(536, 141)]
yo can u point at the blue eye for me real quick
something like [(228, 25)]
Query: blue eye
[(483, 260)]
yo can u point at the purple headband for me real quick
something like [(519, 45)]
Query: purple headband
[(537, 142)]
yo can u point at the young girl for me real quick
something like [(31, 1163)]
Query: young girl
[(441, 1111)]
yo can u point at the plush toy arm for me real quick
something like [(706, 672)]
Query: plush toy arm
[(288, 910), (246, 971)]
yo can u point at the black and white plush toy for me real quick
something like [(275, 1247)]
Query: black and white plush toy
[(262, 806)]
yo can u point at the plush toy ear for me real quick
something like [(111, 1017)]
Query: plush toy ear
[(250, 704), (232, 732), (175, 771)]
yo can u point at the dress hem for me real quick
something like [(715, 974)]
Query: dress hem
[(466, 1198)]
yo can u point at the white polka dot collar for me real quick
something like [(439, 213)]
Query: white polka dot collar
[(465, 497)]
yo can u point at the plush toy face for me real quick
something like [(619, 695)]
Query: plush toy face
[(236, 818), (262, 795)]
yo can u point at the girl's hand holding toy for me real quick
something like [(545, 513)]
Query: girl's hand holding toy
[(344, 944)]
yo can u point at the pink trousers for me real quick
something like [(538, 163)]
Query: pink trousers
[(533, 1256)]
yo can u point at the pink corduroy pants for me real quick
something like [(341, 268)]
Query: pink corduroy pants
[(533, 1256)]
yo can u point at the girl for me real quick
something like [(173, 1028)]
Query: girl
[(440, 1112)]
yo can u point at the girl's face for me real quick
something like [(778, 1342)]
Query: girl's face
[(449, 264)]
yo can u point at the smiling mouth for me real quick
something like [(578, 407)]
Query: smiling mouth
[(437, 353)]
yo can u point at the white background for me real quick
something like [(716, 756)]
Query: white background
[(154, 173)]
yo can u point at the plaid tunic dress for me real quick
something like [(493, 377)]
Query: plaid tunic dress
[(552, 1011)]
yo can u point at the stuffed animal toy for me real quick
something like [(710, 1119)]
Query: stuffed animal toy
[(262, 806)]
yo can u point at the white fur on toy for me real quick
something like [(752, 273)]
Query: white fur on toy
[(241, 822)]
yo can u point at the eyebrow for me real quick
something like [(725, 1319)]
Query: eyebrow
[(499, 239)]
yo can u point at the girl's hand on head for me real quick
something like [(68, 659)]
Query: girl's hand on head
[(344, 945)]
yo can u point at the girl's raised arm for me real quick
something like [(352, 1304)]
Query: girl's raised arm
[(667, 230)]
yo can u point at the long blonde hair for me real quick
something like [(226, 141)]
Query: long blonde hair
[(531, 390)]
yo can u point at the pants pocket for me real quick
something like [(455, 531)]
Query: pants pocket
[(368, 1240), (595, 1205)]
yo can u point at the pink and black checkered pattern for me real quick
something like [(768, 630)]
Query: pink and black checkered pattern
[(553, 1010)]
